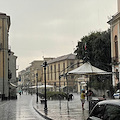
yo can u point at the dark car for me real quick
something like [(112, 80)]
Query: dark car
[(106, 110)]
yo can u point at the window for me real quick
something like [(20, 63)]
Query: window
[(112, 112), (98, 111), (64, 70), (55, 71), (51, 72), (48, 72), (63, 66), (71, 64), (54, 83), (58, 67), (55, 68), (116, 48)]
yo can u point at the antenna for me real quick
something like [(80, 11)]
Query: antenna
[(73, 46)]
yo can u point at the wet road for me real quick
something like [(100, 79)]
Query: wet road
[(20, 109), (64, 110)]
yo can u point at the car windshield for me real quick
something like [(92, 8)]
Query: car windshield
[(98, 111), (112, 112)]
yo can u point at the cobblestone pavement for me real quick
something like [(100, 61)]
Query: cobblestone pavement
[(64, 110), (20, 109)]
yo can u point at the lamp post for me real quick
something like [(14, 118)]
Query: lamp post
[(37, 87), (59, 92), (44, 65), (67, 94)]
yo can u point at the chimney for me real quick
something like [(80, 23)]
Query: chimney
[(118, 5)]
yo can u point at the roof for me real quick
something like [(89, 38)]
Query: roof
[(2, 13), (36, 61), (61, 58), (88, 69), (4, 16), (114, 17), (111, 102)]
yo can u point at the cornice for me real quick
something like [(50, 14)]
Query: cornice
[(114, 18)]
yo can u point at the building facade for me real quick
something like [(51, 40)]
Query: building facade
[(4, 29), (31, 75), (56, 70), (12, 75), (115, 45), (36, 68), (7, 61)]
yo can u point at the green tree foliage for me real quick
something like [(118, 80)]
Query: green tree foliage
[(98, 48)]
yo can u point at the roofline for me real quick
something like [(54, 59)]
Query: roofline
[(114, 17), (67, 58)]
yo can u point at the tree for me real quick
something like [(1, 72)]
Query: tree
[(98, 48)]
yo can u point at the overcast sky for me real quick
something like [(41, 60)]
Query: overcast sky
[(52, 28)]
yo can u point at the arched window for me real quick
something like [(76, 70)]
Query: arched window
[(116, 48)]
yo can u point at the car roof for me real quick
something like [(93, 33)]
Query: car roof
[(111, 102)]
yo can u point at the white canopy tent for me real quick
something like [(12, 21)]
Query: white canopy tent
[(88, 69), (42, 86), (47, 86)]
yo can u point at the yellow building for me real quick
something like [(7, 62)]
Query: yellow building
[(59, 67), (115, 45), (4, 29), (36, 68)]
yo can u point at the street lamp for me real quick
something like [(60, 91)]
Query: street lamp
[(44, 65), (37, 87)]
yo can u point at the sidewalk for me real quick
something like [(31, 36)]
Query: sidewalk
[(63, 110)]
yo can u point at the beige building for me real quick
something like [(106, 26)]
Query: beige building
[(4, 29), (36, 68), (60, 66), (55, 74), (12, 81), (28, 78), (7, 61), (115, 45)]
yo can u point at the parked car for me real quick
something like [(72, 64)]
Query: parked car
[(106, 110), (117, 94)]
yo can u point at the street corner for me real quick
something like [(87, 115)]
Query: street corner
[(43, 113)]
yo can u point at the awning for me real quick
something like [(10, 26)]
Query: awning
[(47, 86)]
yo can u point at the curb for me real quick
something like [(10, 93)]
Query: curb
[(44, 116)]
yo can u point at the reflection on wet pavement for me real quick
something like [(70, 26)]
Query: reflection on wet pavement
[(64, 110), (20, 109)]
